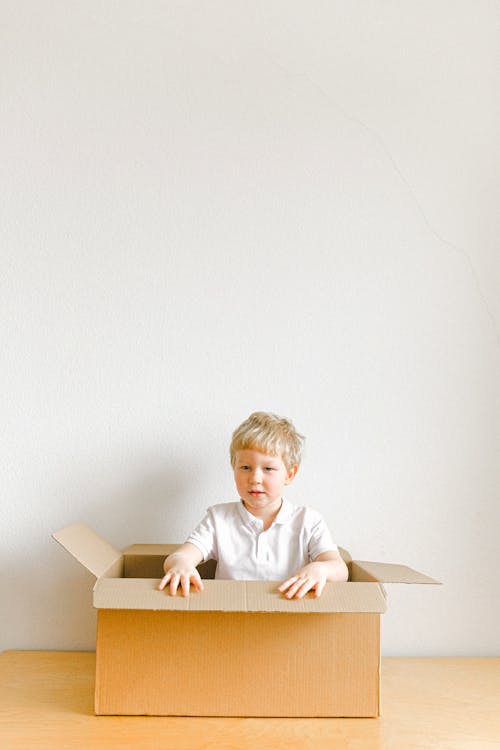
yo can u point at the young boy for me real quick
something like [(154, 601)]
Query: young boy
[(263, 536)]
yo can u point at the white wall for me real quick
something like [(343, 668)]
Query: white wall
[(215, 207)]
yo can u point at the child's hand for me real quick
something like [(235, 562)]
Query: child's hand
[(181, 577), (180, 570), (311, 577)]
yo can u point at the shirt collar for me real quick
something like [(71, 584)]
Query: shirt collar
[(284, 515), (285, 512)]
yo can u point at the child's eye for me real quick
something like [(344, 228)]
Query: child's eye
[(270, 468), (245, 468)]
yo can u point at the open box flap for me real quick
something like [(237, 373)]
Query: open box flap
[(91, 550), (362, 570), (237, 596)]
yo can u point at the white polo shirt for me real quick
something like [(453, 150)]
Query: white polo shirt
[(236, 539)]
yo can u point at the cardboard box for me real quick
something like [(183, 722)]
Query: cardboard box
[(239, 648)]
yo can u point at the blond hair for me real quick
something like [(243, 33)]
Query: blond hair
[(268, 433)]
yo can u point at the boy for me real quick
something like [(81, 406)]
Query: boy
[(263, 536)]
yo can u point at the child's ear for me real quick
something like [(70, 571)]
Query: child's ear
[(291, 474)]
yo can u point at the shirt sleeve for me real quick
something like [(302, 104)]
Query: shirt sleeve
[(204, 537), (320, 539)]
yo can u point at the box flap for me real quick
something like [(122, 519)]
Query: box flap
[(387, 573), (237, 596), (91, 550)]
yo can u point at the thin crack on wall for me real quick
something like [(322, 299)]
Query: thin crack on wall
[(404, 180)]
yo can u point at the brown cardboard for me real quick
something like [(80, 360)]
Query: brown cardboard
[(237, 664), (239, 648), (386, 573)]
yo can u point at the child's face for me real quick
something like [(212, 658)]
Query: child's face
[(260, 479)]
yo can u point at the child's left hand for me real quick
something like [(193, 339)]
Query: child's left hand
[(311, 577)]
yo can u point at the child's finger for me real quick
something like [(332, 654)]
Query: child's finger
[(286, 584), (306, 586), (164, 581), (295, 587), (319, 587), (196, 581), (174, 583), (185, 585)]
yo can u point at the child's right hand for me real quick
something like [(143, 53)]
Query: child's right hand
[(180, 570)]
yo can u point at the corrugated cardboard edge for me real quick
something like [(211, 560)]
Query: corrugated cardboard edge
[(91, 550)]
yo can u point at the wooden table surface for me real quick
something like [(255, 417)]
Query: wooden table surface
[(46, 701)]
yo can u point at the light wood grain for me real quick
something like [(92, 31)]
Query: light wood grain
[(46, 702)]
